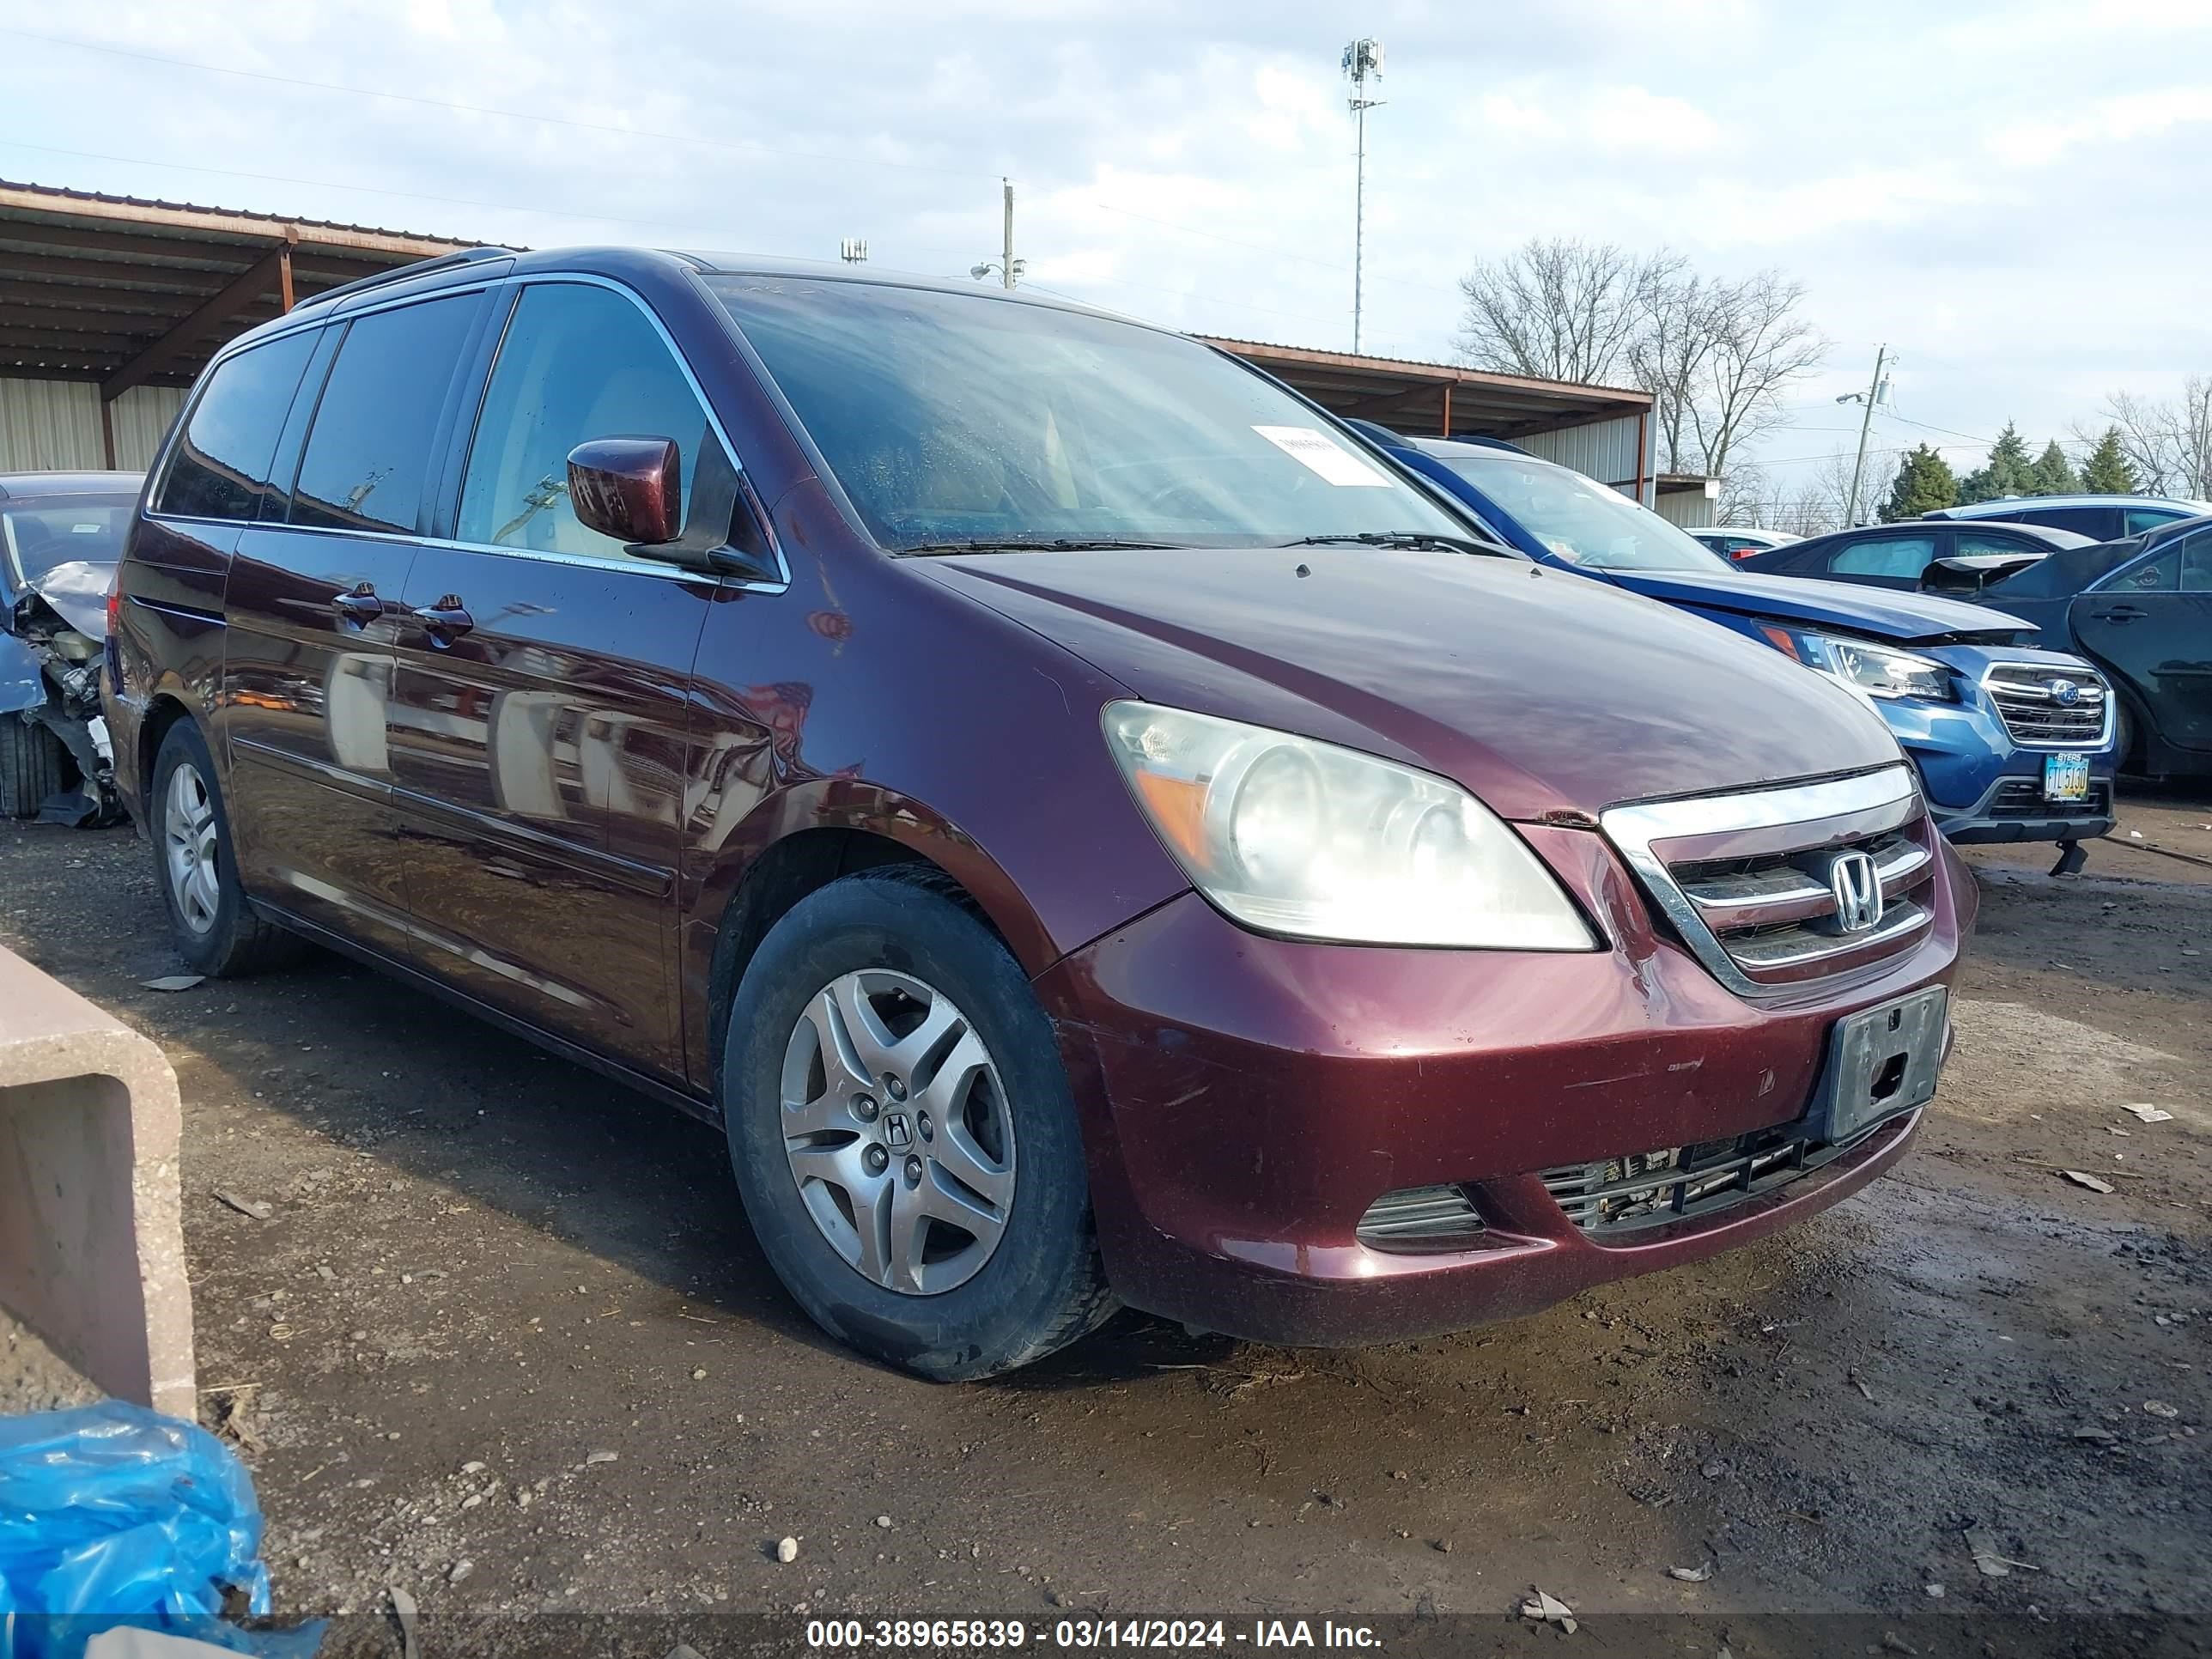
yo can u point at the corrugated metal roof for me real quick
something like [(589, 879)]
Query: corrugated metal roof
[(129, 291), (1458, 370), (245, 216)]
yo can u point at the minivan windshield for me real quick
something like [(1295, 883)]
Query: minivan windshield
[(1578, 518), (955, 419)]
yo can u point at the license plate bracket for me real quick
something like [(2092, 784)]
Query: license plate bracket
[(1881, 1060), (2065, 777)]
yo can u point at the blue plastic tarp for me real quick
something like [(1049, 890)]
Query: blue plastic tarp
[(113, 1514)]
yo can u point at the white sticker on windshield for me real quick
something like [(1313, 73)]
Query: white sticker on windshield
[(1317, 452)]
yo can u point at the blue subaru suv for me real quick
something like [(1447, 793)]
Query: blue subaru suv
[(2012, 742)]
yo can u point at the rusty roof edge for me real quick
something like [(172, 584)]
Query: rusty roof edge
[(173, 216), (1439, 374)]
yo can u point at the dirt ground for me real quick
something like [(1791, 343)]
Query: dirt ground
[(506, 1343)]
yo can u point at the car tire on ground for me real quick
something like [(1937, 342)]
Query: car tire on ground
[(32, 766), (216, 931), (903, 1133)]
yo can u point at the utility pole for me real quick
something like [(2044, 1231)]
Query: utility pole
[(1870, 397), (1008, 267), (1361, 59)]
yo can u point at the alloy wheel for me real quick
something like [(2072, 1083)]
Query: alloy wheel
[(897, 1132), (191, 846)]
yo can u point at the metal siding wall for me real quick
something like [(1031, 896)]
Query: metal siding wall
[(1604, 450), (50, 426), (142, 417), (1693, 509)]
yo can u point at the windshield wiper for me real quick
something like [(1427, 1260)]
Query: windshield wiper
[(1051, 545), (1407, 538)]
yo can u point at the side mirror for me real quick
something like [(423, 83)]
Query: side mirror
[(630, 489)]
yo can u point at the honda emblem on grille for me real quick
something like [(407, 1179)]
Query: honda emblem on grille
[(1856, 885), (2065, 693)]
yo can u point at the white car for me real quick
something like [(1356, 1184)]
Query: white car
[(1736, 542)]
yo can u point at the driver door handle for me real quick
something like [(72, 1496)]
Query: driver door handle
[(2118, 613), (446, 621), (358, 605)]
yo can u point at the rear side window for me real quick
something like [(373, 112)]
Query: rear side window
[(1971, 542), (368, 454), (221, 466), (2157, 575), (1903, 558), (2096, 522), (2196, 563), (578, 362), (2141, 519)]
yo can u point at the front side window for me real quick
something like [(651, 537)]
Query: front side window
[(1578, 518), (220, 469), (578, 363), (2141, 519), (1901, 558), (368, 460), (952, 417)]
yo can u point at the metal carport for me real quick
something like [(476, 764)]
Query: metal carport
[(110, 305)]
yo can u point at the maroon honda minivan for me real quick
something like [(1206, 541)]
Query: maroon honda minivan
[(1089, 827)]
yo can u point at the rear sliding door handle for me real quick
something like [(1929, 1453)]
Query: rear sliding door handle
[(446, 620)]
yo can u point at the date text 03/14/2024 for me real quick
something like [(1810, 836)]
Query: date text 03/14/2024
[(1083, 1634)]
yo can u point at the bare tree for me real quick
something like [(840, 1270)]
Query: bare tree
[(1834, 479), (1761, 345), (2168, 443), (1744, 497), (1561, 310), (1670, 355)]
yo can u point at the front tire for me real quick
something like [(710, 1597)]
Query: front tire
[(903, 1134), (32, 766), (216, 931)]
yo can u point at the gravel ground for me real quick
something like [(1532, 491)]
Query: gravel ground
[(506, 1342)]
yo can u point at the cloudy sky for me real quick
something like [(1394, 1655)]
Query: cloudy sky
[(2010, 194)]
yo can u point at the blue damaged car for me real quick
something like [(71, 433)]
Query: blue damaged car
[(60, 536), (2012, 742)]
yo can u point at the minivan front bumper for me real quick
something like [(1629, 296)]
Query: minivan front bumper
[(1247, 1101)]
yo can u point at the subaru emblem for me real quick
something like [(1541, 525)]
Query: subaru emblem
[(1856, 885), (2065, 693)]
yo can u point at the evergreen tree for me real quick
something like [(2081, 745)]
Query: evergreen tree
[(2106, 472), (1925, 482), (2053, 473), (2009, 472)]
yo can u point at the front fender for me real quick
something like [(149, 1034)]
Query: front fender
[(22, 681)]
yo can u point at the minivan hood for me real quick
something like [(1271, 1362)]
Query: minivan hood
[(1544, 695), (1878, 613)]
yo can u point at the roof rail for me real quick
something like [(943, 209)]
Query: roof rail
[(417, 268)]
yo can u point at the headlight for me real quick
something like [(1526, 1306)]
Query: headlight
[(1875, 669), (1288, 836)]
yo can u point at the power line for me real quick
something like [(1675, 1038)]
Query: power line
[(741, 145)]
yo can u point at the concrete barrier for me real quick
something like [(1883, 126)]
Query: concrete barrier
[(92, 1250)]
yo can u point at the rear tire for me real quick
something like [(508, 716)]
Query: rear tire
[(924, 1202), (31, 762), (216, 931)]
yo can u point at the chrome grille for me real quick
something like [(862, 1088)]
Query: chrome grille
[(1748, 880), (1421, 1219), (2032, 700)]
